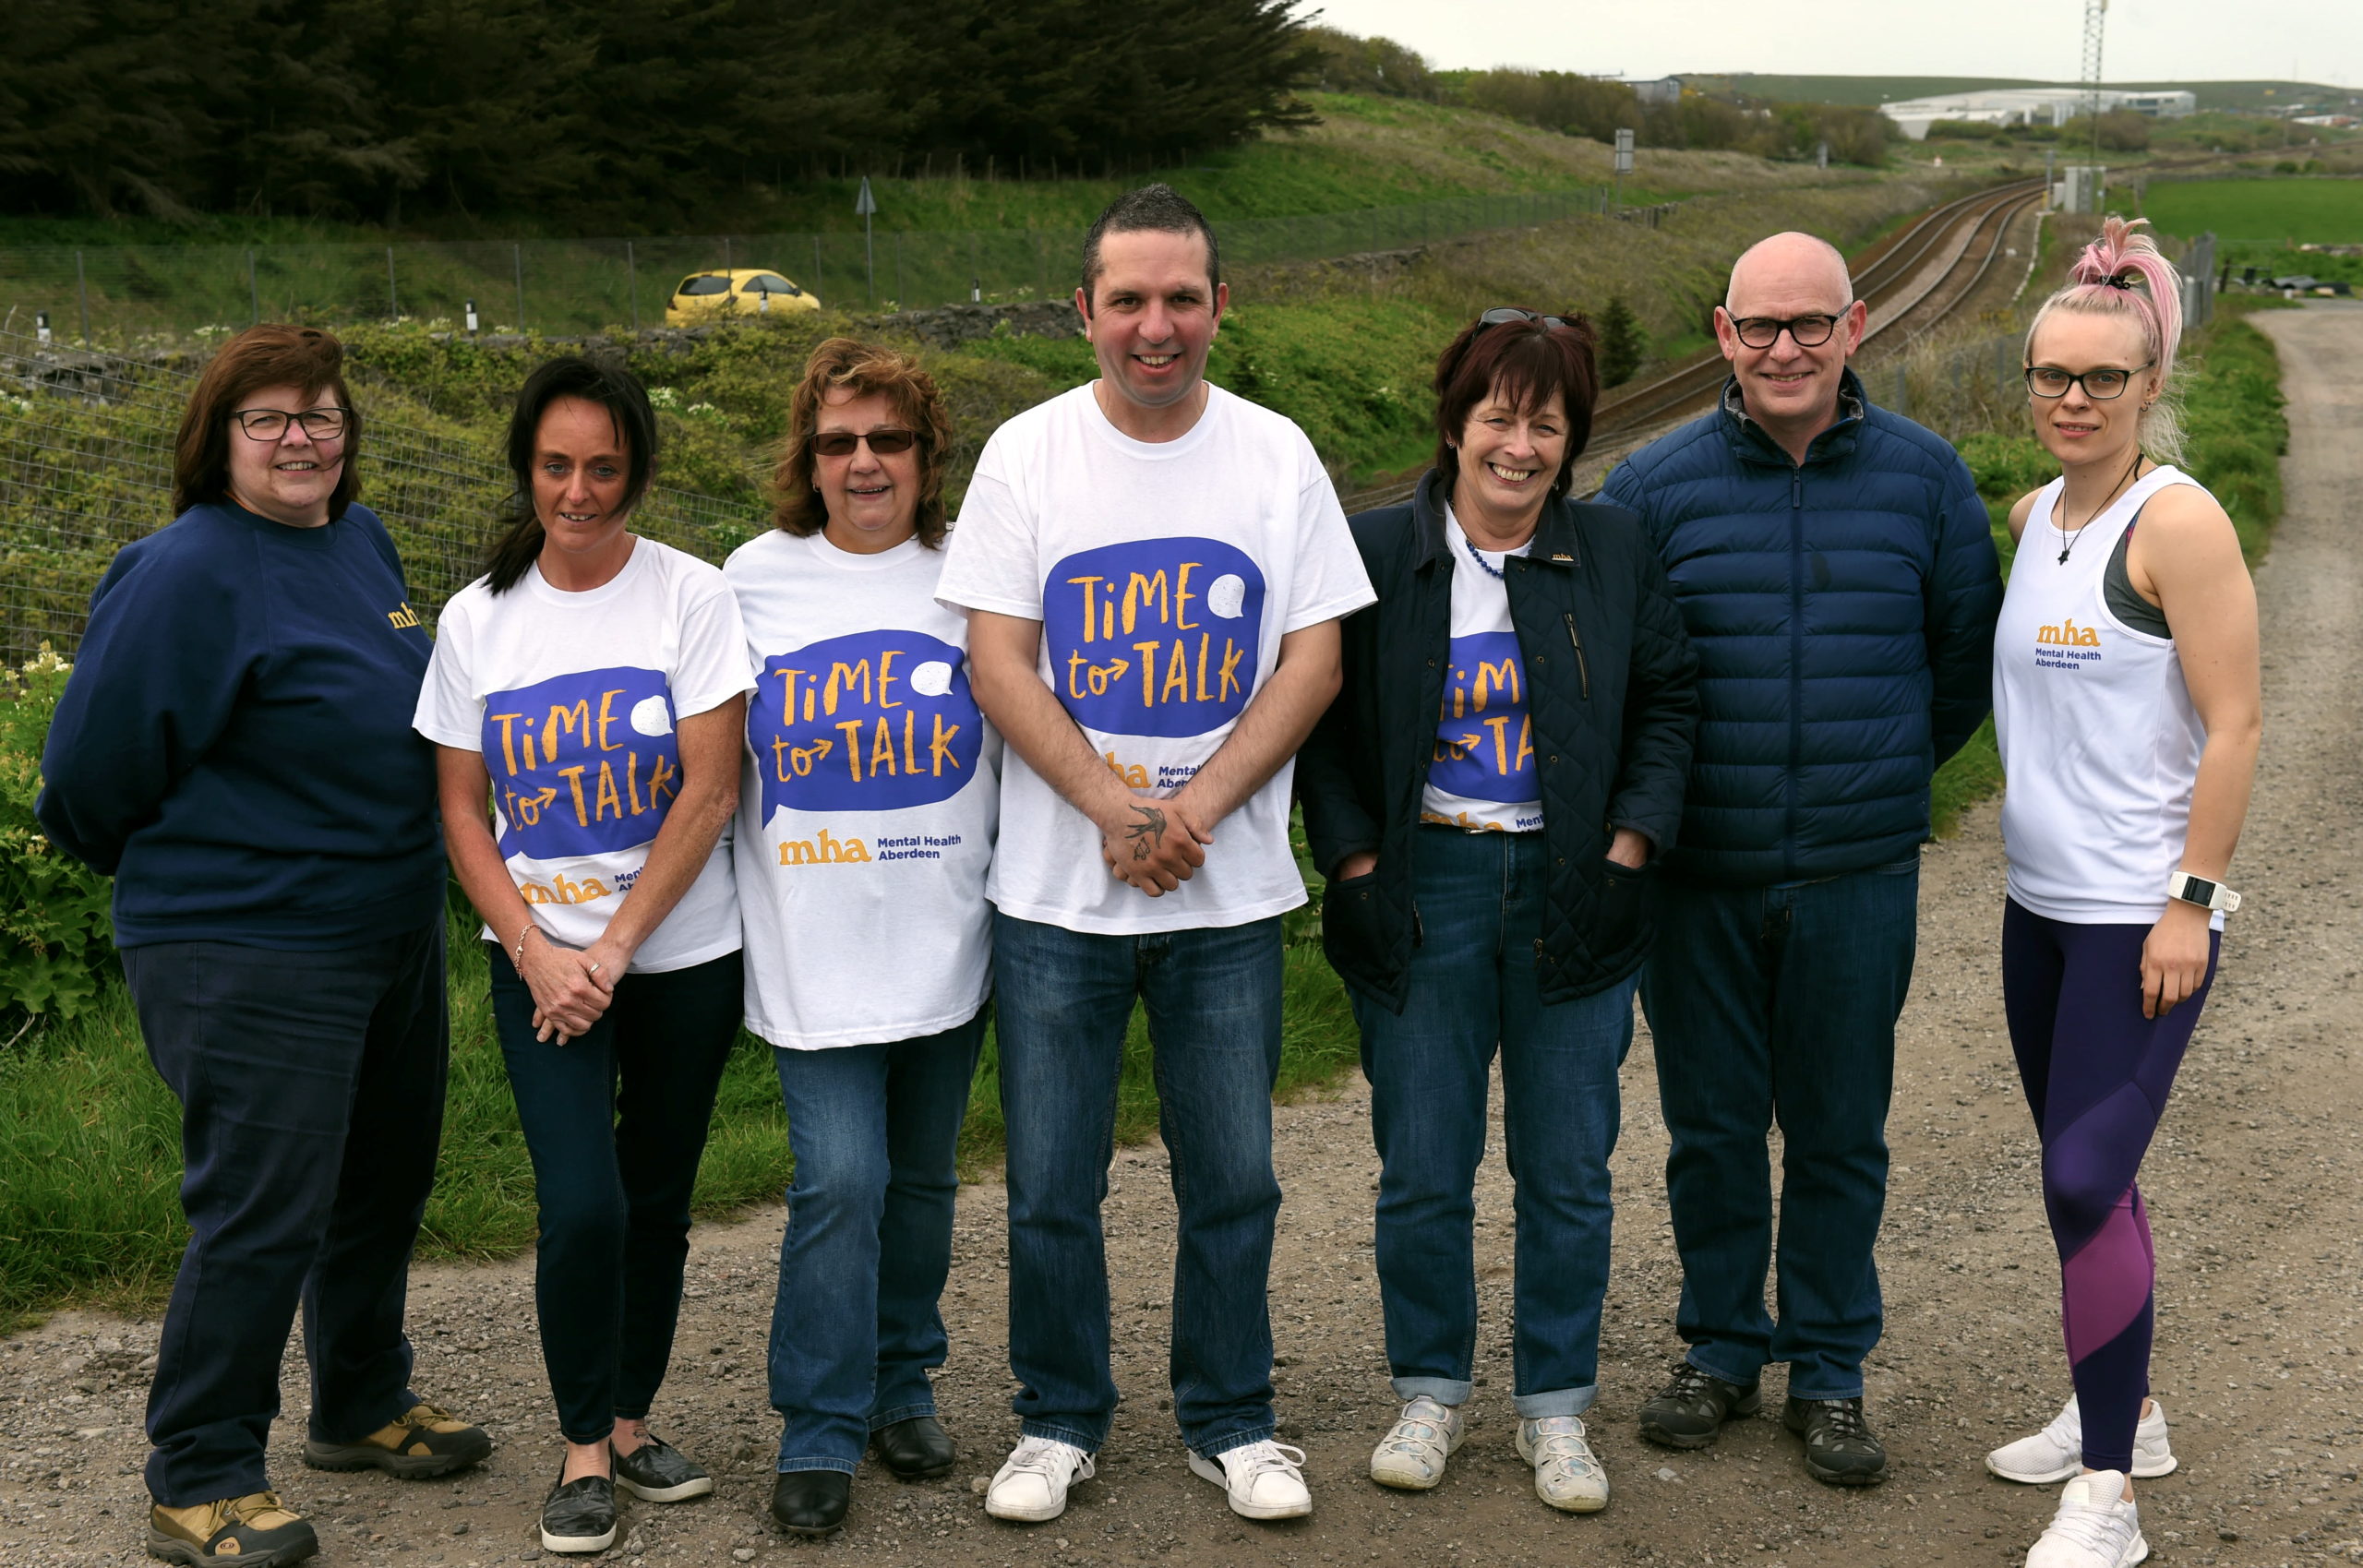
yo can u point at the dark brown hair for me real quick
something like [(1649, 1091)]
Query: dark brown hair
[(570, 375), (1158, 209), (861, 368), (268, 355), (1525, 362)]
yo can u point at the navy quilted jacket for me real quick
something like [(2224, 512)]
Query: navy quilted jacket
[(1842, 610)]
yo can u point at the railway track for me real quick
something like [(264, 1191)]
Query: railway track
[(1911, 283)]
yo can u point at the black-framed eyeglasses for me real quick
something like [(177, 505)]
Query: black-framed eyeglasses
[(1805, 331), (2103, 385), (270, 424), (841, 443), (1503, 314)]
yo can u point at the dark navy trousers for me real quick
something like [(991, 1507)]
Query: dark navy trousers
[(311, 1091)]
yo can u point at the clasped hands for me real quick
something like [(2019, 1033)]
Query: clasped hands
[(571, 986), (1156, 846)]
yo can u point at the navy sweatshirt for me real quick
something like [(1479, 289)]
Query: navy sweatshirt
[(235, 744)]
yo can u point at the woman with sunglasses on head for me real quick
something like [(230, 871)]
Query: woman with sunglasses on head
[(584, 701), (234, 748), (2127, 700), (866, 830), (1485, 796)]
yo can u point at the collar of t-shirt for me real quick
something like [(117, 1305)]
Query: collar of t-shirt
[(1463, 545), (830, 552), (616, 587), (1181, 445)]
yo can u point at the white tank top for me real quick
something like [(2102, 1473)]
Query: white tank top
[(2100, 743)]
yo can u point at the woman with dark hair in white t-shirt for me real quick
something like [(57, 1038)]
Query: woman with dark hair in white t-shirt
[(592, 686), (867, 828)]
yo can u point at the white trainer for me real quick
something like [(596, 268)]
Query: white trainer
[(2057, 1452), (1410, 1457), (1567, 1475), (2095, 1527), (1031, 1484), (1263, 1480)]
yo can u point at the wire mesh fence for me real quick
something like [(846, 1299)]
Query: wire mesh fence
[(86, 467), (120, 295)]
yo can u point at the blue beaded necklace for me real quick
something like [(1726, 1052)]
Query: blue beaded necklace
[(1488, 567)]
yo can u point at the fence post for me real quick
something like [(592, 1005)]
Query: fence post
[(394, 296), (254, 290), (901, 301), (517, 258), (83, 292), (631, 282), (816, 269)]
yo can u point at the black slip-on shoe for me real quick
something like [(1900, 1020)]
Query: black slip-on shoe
[(658, 1472), (579, 1516), (1841, 1448), (915, 1450), (253, 1531), (811, 1502), (424, 1441), (1692, 1407)]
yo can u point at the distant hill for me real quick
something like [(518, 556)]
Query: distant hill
[(1865, 91)]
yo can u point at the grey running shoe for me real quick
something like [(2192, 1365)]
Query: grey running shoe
[(1691, 1408), (1841, 1448)]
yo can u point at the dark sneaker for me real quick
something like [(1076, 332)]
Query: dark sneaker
[(1839, 1445), (579, 1516), (811, 1502), (422, 1441), (658, 1472), (253, 1531), (916, 1450), (1690, 1409)]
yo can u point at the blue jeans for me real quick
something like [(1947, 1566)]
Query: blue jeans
[(311, 1090), (854, 1327), (1062, 1000), (1472, 989), (616, 1121), (1779, 1003)]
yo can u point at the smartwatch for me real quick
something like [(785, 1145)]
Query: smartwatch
[(2200, 890)]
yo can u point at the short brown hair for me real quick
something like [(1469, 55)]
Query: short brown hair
[(268, 355), (1525, 362), (861, 368)]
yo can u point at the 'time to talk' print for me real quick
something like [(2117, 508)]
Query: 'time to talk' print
[(584, 763), (1485, 734), (876, 721), (1154, 637)]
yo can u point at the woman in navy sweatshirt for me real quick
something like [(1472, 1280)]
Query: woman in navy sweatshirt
[(235, 749)]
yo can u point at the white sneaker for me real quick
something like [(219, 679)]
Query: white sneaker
[(1567, 1475), (1032, 1482), (1264, 1479), (2095, 1527), (2057, 1452), (1410, 1457)]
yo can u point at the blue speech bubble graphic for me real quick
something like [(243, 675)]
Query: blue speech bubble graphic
[(1154, 637), (1485, 734), (582, 764), (877, 721)]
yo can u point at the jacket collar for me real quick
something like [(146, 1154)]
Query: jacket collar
[(1555, 533), (1750, 442)]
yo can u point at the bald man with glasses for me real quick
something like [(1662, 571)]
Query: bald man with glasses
[(1838, 579)]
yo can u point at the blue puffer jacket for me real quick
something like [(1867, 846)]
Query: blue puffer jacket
[(1844, 614)]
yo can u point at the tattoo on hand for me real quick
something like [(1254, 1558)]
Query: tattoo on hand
[(1145, 834)]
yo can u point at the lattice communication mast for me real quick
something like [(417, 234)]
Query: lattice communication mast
[(2095, 23)]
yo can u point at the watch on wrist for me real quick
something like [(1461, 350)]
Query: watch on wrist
[(2182, 885)]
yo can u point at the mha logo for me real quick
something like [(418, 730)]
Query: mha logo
[(2068, 634)]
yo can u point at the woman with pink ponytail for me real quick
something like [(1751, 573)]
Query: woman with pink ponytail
[(2127, 700)]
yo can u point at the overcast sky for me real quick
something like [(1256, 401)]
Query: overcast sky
[(2148, 40)]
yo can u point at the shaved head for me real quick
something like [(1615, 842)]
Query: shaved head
[(1788, 266)]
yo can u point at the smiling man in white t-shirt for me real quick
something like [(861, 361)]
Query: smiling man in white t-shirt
[(1154, 570)]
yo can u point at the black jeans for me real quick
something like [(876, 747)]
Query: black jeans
[(614, 1189), (311, 1091)]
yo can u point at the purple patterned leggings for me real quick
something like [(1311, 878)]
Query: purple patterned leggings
[(2096, 1075)]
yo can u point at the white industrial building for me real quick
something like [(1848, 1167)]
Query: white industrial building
[(2031, 106)]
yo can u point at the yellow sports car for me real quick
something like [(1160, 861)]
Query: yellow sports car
[(740, 291)]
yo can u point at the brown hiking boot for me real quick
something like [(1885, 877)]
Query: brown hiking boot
[(423, 1441), (253, 1531)]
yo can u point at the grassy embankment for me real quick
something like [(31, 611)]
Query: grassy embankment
[(2261, 222)]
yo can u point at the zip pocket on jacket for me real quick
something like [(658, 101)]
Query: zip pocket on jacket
[(1583, 669)]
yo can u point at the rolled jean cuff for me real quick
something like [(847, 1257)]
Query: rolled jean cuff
[(1447, 1392), (787, 1467), (1216, 1447), (1088, 1442), (1853, 1393), (1556, 1402), (906, 1412)]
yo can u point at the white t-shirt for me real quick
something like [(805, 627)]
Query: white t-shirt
[(1482, 774), (1164, 575), (872, 788), (572, 697)]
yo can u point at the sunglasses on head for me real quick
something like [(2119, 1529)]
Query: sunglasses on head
[(841, 443), (1503, 314)]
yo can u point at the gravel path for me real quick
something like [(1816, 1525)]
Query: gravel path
[(2253, 1188)]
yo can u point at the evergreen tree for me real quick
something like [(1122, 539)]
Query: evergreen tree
[(1622, 343)]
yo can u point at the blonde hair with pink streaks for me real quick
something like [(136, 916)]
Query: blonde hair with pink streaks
[(2124, 273)]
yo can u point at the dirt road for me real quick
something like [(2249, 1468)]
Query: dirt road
[(2254, 1188)]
